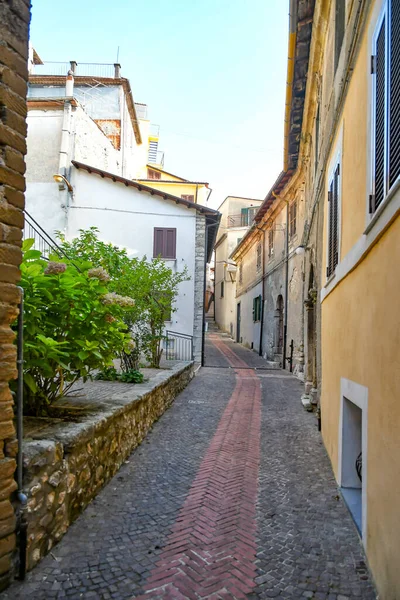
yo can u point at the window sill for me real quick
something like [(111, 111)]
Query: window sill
[(382, 207)]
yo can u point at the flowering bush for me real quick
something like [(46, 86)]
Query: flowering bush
[(144, 290), (68, 329)]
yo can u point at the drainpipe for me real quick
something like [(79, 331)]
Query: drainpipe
[(285, 314), (260, 351), (216, 223), (23, 525), (290, 77), (64, 154), (197, 191), (208, 197)]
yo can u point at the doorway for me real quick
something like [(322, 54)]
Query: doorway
[(278, 342), (238, 319), (353, 450)]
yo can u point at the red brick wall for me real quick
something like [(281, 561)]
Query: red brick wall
[(14, 31)]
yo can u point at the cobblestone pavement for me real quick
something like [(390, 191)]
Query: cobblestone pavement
[(230, 496)]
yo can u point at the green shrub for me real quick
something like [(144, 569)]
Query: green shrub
[(132, 376), (72, 326), (107, 374)]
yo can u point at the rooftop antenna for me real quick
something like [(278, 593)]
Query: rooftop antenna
[(117, 55)]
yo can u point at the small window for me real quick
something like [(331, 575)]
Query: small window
[(270, 243), (164, 242), (292, 218), (238, 241), (168, 313), (340, 23), (241, 273), (222, 288), (151, 174), (333, 222), (259, 256), (257, 308), (188, 197)]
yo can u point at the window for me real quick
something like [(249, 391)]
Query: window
[(164, 242), (340, 23), (247, 215), (292, 218), (241, 273), (238, 241), (222, 288), (333, 222), (259, 256), (257, 308), (151, 174), (188, 197), (386, 104), (270, 243)]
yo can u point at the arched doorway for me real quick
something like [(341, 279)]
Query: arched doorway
[(278, 341)]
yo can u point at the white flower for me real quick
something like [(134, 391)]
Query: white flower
[(54, 268)]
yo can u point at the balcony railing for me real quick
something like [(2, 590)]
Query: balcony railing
[(244, 219), (107, 70), (178, 346)]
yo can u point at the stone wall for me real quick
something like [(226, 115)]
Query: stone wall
[(71, 462), (14, 30)]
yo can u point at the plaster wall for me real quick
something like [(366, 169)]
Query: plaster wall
[(180, 188), (127, 217), (360, 331)]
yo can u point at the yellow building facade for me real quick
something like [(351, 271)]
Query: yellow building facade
[(360, 324)]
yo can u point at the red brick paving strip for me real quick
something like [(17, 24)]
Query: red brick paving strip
[(211, 550)]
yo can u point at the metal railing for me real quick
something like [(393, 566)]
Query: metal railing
[(178, 346), (42, 241), (79, 69), (241, 220)]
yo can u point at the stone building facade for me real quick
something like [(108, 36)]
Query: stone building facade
[(14, 31)]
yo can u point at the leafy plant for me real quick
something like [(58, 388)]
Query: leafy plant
[(111, 374), (132, 376), (108, 374), (152, 284), (69, 328)]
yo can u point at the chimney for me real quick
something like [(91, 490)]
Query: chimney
[(117, 71), (69, 85)]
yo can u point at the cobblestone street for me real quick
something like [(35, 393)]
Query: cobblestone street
[(230, 496)]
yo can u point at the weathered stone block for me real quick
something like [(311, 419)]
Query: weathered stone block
[(7, 526), (7, 544)]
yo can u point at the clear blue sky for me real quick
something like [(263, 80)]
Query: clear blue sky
[(212, 72)]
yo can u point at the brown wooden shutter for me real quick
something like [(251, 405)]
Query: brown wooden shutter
[(170, 243), (394, 128), (189, 197), (164, 242), (158, 242), (379, 133), (333, 233)]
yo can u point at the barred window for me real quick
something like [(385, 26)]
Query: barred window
[(270, 242)]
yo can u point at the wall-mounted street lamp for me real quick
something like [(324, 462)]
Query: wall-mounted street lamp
[(300, 250), (63, 181)]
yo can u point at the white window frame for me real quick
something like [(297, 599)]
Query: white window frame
[(333, 163), (358, 395)]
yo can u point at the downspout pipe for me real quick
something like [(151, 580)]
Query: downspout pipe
[(214, 224), (285, 308), (22, 499), (260, 350), (290, 78)]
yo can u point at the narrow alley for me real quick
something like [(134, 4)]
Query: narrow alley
[(231, 496)]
